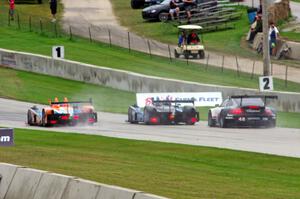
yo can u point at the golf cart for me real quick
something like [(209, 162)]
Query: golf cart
[(189, 43)]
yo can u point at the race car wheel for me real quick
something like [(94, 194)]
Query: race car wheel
[(43, 118), (150, 112), (211, 122), (176, 54), (29, 118), (188, 114), (201, 54), (163, 17), (272, 124), (223, 123)]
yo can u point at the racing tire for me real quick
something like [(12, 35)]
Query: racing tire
[(135, 119), (44, 118), (29, 118), (176, 55), (223, 123), (272, 124), (210, 122), (148, 113), (188, 112), (201, 54), (163, 17)]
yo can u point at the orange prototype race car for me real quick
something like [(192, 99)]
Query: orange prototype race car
[(63, 113)]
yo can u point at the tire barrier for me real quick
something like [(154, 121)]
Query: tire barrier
[(129, 81), (19, 182)]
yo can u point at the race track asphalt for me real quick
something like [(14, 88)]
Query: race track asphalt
[(277, 141)]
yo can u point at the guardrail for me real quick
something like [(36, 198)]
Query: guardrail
[(128, 81), (17, 182)]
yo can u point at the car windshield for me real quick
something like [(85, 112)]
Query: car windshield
[(165, 2), (250, 101)]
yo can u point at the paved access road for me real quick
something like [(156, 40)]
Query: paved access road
[(279, 141)]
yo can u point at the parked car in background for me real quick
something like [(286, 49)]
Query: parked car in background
[(161, 11), (137, 4), (243, 110)]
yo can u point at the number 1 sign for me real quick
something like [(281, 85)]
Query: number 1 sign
[(266, 83), (58, 52)]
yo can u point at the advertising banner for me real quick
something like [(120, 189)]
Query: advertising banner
[(200, 98), (6, 137)]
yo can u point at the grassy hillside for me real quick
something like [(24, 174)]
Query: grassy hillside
[(171, 170), (119, 58)]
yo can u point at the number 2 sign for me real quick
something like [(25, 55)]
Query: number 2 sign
[(58, 52), (266, 83)]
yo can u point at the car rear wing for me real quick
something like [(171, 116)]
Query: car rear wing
[(264, 97), (174, 101), (90, 101)]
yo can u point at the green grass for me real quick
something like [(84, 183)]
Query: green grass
[(231, 41), (119, 58), (171, 170), (23, 86), (227, 41), (39, 88), (293, 36)]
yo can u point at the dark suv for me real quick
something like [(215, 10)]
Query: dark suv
[(136, 4), (161, 11)]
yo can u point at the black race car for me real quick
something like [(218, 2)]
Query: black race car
[(136, 4), (164, 112), (243, 110)]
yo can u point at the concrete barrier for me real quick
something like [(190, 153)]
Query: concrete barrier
[(128, 81), (113, 192), (52, 186), (79, 189), (7, 172), (24, 184)]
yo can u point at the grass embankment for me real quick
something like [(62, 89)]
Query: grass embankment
[(39, 88), (227, 41), (119, 58), (172, 170), (231, 41), (36, 88), (34, 10)]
